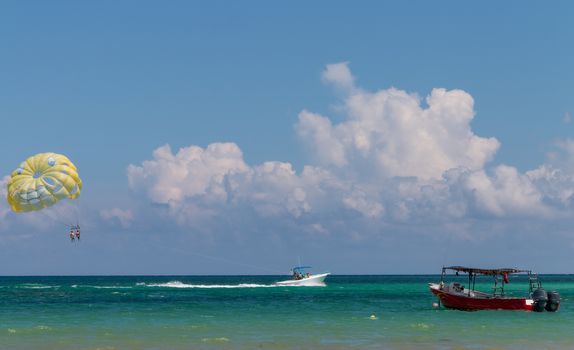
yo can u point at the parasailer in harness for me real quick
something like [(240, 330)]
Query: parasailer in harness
[(72, 235), (78, 232)]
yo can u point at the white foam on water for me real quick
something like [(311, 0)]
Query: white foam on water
[(35, 286), (178, 284), (101, 287), (215, 340)]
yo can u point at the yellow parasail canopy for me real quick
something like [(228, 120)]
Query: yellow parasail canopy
[(41, 181)]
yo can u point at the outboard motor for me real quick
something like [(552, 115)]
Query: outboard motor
[(553, 302), (540, 298)]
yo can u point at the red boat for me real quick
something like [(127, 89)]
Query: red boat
[(455, 295)]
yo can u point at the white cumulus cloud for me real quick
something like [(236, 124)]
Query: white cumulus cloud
[(191, 172), (123, 216), (555, 178), (4, 207), (340, 76), (505, 192), (390, 133), (392, 160)]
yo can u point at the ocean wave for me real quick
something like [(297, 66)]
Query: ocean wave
[(178, 284), (215, 340), (34, 286), (101, 287)]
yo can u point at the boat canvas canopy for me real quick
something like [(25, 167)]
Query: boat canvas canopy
[(299, 268), (490, 272)]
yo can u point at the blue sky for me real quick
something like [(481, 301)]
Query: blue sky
[(109, 83)]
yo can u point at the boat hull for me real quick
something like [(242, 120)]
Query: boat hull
[(312, 281), (470, 303)]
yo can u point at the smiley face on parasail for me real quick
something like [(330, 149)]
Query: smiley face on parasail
[(41, 181)]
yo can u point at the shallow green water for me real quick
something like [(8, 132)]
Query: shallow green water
[(247, 312)]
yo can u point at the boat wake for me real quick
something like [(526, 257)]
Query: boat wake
[(109, 287), (178, 284), (170, 284)]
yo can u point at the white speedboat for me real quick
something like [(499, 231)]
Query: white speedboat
[(304, 279)]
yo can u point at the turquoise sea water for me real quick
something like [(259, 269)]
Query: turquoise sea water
[(248, 312)]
